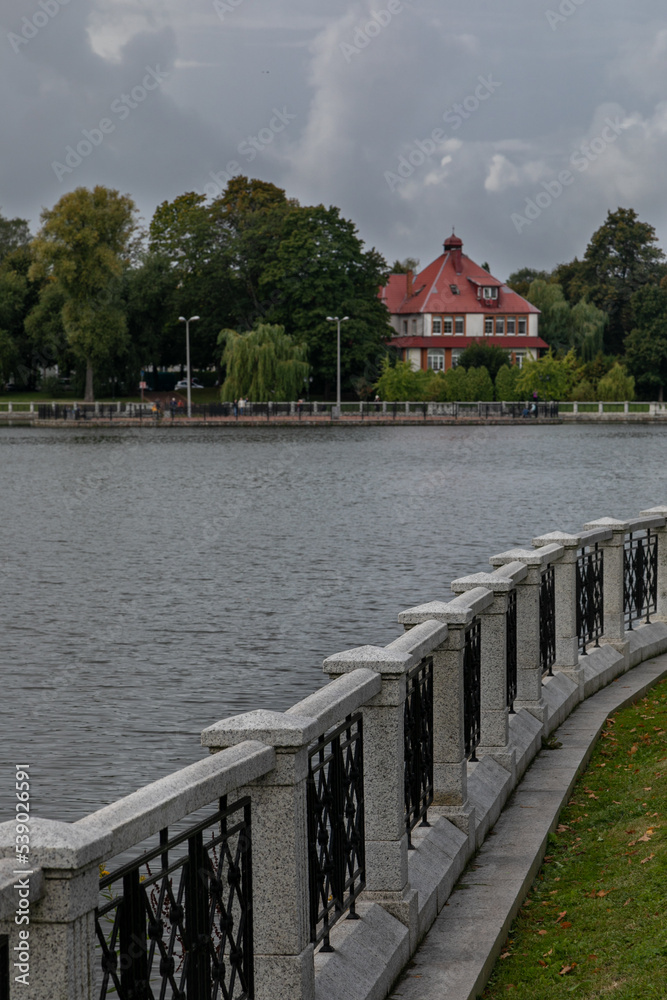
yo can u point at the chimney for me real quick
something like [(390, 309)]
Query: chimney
[(409, 283)]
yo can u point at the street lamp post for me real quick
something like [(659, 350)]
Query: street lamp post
[(337, 320), (187, 322)]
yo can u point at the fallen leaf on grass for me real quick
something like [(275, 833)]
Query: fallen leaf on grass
[(561, 915), (540, 962), (626, 902), (566, 925), (562, 829), (507, 954), (647, 836), (547, 953), (567, 968), (649, 858), (542, 933)]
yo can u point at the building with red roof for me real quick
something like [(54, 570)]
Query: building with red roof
[(451, 304)]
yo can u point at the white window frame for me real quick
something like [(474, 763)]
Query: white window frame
[(488, 322), (500, 321), (520, 332), (435, 354), (436, 326), (512, 320), (489, 292), (459, 321), (448, 321)]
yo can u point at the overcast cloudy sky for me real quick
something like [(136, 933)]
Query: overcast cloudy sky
[(520, 123)]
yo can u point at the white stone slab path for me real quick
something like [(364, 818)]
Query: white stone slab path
[(457, 955)]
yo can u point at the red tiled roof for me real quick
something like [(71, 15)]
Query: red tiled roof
[(432, 288), (508, 343)]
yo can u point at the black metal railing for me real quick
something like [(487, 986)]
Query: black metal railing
[(472, 689), (178, 920), (510, 650), (547, 622), (418, 745), (590, 596), (336, 837), (640, 577)]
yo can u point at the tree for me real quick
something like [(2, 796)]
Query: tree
[(84, 245), (587, 325), (479, 385), (482, 355), (506, 379), (14, 234), (621, 257), (555, 319), (457, 384), (550, 377), (401, 382), (403, 266), (520, 281), (646, 345), (616, 385), (264, 364)]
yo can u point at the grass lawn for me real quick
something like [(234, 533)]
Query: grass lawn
[(595, 921)]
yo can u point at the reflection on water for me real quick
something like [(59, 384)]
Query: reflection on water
[(154, 581)]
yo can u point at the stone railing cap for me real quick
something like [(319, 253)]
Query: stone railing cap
[(495, 582), (530, 557), (8, 877), (459, 611), (631, 524), (571, 541), (660, 511), (382, 659), (275, 728), (59, 845)]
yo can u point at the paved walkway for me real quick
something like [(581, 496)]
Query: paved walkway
[(457, 955)]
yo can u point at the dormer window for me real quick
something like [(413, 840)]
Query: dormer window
[(455, 289), (489, 292)]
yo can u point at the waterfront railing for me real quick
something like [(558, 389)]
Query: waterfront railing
[(246, 874)]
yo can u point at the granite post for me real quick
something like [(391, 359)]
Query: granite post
[(529, 670), (661, 532), (450, 764)]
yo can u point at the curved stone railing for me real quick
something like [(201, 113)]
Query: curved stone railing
[(308, 856)]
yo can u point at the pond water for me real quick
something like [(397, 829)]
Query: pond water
[(154, 581)]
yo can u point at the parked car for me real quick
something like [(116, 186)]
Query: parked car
[(183, 384)]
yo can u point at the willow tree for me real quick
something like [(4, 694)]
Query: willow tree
[(82, 248), (263, 364)]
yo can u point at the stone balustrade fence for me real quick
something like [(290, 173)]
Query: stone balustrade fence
[(308, 855)]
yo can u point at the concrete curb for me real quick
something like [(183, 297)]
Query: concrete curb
[(457, 955)]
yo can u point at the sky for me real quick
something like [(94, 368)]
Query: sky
[(518, 124)]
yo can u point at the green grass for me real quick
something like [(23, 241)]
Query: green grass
[(594, 924)]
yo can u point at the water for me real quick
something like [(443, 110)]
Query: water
[(155, 581)]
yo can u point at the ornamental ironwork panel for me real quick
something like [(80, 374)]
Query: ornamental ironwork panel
[(590, 596), (547, 622), (336, 837), (640, 578), (472, 706), (510, 649), (418, 745), (177, 921)]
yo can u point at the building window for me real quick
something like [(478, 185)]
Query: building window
[(490, 292), (414, 325), (459, 324), (437, 327), (519, 360), (500, 326), (456, 354), (511, 325), (488, 326), (405, 326), (448, 325), (436, 359), (455, 289), (522, 328)]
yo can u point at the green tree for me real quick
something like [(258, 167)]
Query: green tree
[(521, 280), (9, 356), (481, 355), (14, 234), (550, 377), (399, 382), (555, 319), (480, 385), (621, 257), (646, 345), (264, 364), (587, 325), (84, 244), (505, 386), (616, 385), (457, 385), (403, 266)]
